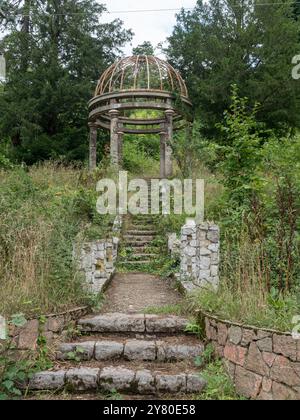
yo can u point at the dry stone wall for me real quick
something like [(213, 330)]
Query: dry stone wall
[(52, 326), (263, 364), (199, 250), (97, 259)]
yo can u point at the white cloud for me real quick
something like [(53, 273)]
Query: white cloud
[(150, 26)]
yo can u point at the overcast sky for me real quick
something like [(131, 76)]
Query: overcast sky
[(154, 26)]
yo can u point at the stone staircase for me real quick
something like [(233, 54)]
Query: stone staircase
[(133, 354), (124, 350), (138, 246)]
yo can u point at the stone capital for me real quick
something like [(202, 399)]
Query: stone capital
[(170, 112), (93, 125), (114, 113)]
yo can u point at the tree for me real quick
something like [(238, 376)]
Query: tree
[(247, 43), (44, 105), (146, 48)]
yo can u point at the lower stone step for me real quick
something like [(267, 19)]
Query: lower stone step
[(130, 350), (141, 232), (144, 250), (142, 227), (134, 263), (117, 378), (139, 256), (138, 238), (136, 243), (137, 323)]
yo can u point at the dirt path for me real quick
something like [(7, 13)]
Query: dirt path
[(134, 292)]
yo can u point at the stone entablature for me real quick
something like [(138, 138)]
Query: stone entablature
[(263, 364)]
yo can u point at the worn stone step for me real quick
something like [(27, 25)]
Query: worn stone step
[(144, 219), (168, 350), (145, 223), (142, 226), (136, 258), (155, 251), (135, 243), (118, 378), (144, 255), (134, 263), (141, 232), (138, 238), (138, 323)]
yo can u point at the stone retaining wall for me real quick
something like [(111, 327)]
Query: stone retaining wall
[(199, 252), (97, 259), (263, 364), (49, 326)]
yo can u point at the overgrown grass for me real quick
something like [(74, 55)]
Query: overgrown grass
[(43, 211), (219, 386), (165, 310), (249, 307), (138, 162), (243, 295)]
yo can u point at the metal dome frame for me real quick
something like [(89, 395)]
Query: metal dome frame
[(139, 83)]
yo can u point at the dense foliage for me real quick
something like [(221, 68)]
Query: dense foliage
[(249, 43), (55, 52)]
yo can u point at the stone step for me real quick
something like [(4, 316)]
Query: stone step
[(141, 232), (118, 378), (144, 255), (142, 227), (145, 250), (135, 243), (138, 257), (134, 263), (169, 350), (145, 223), (138, 238), (144, 220), (137, 323)]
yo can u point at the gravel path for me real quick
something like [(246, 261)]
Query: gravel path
[(134, 292)]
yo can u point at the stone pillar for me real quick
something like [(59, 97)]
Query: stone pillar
[(200, 255), (169, 138), (93, 146), (163, 151), (114, 137), (120, 144)]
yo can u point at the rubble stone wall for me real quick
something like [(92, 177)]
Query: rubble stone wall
[(199, 250), (49, 326), (263, 364), (97, 259)]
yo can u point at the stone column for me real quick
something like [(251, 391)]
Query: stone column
[(169, 138), (120, 144), (163, 151), (114, 137), (93, 146)]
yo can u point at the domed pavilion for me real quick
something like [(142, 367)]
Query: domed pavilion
[(139, 83)]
